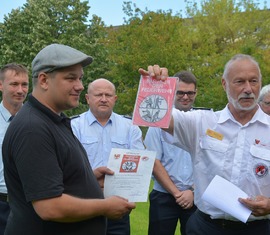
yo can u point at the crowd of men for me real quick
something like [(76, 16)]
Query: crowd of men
[(53, 167)]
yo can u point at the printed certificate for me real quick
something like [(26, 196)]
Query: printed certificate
[(132, 174), (154, 102)]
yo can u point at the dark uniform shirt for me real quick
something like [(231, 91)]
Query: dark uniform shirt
[(43, 159)]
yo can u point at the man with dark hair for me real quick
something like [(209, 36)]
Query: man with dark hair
[(52, 188), (171, 199), (14, 84)]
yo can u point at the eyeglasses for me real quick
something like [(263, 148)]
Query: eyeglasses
[(190, 94)]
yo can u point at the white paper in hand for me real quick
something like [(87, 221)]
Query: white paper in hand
[(224, 195), (132, 174)]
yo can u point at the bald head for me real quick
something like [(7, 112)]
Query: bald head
[(100, 82), (101, 99)]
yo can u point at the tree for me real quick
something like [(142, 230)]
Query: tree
[(147, 38), (38, 23), (225, 28), (202, 43)]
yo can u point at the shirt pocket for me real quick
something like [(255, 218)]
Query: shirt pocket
[(119, 142), (208, 143), (260, 164), (90, 144), (214, 153)]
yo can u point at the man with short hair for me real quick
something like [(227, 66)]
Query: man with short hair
[(232, 143), (171, 199), (100, 129), (52, 188), (14, 83)]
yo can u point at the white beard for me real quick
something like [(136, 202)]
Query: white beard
[(235, 102)]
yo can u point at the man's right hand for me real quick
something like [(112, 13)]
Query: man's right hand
[(156, 72), (118, 207)]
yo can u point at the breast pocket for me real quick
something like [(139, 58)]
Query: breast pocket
[(260, 164), (211, 144), (90, 144), (214, 153), (119, 142)]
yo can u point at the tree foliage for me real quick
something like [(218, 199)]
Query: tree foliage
[(202, 42), (38, 23)]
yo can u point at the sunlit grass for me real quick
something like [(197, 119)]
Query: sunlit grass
[(139, 218)]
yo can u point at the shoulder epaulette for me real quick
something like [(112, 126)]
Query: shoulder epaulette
[(127, 116), (201, 108), (75, 116)]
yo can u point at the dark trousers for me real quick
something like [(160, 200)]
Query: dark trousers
[(198, 225), (164, 214), (119, 227), (4, 212)]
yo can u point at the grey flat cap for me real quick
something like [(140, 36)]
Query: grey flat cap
[(57, 56)]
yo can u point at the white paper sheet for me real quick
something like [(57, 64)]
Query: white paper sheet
[(132, 174), (224, 195)]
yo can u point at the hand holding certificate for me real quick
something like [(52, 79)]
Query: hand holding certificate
[(224, 195), (132, 174)]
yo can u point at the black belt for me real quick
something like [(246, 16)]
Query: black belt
[(230, 224), (3, 197)]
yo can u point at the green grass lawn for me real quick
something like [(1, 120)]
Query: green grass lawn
[(139, 218)]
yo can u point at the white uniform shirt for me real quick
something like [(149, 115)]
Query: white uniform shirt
[(240, 154), (176, 161)]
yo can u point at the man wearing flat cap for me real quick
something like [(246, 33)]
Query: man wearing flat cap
[(52, 188)]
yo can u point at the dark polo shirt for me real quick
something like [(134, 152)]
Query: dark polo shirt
[(43, 159)]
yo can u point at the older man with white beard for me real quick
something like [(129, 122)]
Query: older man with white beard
[(233, 143)]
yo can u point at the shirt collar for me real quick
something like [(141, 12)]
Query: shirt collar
[(262, 116), (52, 115), (259, 116), (91, 118), (4, 112)]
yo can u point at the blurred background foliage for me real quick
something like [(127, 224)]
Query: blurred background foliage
[(202, 42)]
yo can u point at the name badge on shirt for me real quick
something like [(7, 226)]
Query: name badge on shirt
[(214, 134)]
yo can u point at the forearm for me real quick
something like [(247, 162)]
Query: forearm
[(164, 179), (67, 208)]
